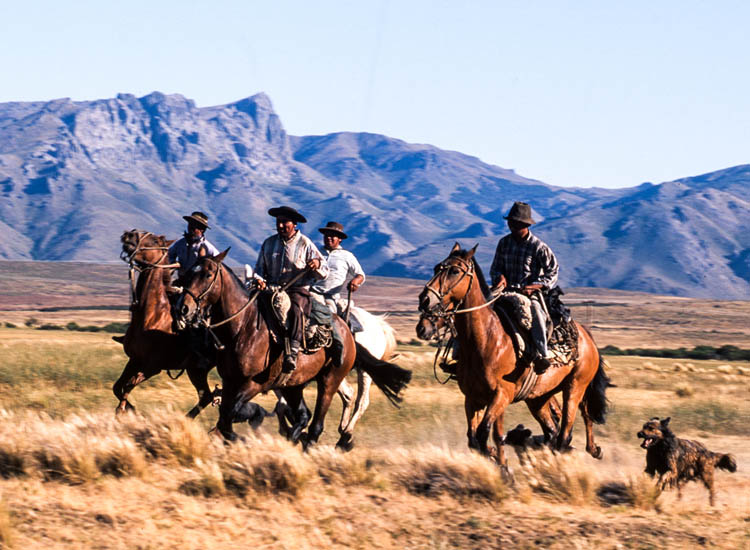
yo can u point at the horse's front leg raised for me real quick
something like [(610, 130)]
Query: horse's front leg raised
[(546, 411), (197, 371), (131, 376)]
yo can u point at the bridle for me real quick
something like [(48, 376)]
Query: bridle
[(135, 264), (219, 275), (439, 309)]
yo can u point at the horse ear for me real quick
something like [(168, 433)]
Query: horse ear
[(220, 257), (666, 421), (455, 247), (470, 255), (170, 242)]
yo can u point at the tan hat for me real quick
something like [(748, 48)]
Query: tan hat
[(333, 227), (198, 218)]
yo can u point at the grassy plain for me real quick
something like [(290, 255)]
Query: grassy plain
[(71, 476)]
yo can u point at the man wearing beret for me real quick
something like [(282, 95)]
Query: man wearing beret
[(192, 245), (524, 264), (283, 257)]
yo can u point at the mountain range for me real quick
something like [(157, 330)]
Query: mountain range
[(74, 175)]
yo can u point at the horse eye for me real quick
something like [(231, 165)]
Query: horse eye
[(454, 271)]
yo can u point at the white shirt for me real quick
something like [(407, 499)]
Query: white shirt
[(186, 253), (342, 267), (280, 261)]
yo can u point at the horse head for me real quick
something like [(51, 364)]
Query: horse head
[(450, 285), (143, 247), (202, 288)]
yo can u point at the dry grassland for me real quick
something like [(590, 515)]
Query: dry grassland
[(71, 476)]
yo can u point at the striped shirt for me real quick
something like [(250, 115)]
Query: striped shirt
[(342, 266), (280, 260), (186, 253), (529, 262)]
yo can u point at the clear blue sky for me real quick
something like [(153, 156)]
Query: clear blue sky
[(585, 93)]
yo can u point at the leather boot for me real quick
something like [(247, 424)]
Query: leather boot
[(290, 358)]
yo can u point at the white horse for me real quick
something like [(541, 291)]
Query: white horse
[(377, 337)]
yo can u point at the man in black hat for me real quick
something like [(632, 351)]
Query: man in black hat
[(283, 257), (526, 265), (192, 245)]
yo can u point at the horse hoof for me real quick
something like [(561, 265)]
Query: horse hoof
[(598, 453), (345, 443)]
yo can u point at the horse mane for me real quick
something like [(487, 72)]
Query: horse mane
[(237, 279), (461, 253)]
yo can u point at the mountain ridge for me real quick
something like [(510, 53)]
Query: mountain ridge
[(74, 175)]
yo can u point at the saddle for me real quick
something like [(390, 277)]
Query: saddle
[(274, 305), (514, 310)]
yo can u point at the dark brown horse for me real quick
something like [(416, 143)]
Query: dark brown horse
[(250, 362), (150, 343), (488, 374)]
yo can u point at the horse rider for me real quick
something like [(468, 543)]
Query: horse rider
[(526, 265), (192, 245), (342, 266), (289, 257), (326, 294)]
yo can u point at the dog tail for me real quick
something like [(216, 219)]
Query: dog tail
[(727, 462), (595, 396)]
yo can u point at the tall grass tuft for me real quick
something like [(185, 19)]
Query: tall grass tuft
[(432, 472), (208, 481), (265, 465), (7, 538), (637, 492), (334, 467), (560, 477), (169, 436)]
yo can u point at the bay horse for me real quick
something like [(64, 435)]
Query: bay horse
[(250, 362), (487, 372), (150, 342)]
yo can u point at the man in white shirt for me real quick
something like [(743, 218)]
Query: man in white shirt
[(343, 269)]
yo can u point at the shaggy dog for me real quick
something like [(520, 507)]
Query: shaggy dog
[(680, 460)]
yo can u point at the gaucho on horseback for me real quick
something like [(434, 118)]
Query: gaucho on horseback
[(526, 265), (290, 259), (192, 245)]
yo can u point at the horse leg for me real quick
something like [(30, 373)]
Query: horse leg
[(542, 409), (493, 421), (591, 447), (472, 420), (327, 384), (364, 381), (198, 374), (131, 376), (572, 397), (296, 412), (346, 393)]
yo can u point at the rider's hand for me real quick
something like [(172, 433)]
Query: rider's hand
[(314, 264), (500, 286), (528, 290), (261, 284), (355, 283)]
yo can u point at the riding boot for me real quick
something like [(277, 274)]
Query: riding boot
[(337, 352), (290, 357), (449, 365)]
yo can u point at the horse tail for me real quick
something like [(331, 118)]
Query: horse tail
[(390, 378), (595, 396)]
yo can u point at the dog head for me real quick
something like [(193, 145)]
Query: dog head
[(653, 431), (518, 436)]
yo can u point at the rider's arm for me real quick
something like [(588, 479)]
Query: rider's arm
[(320, 271), (548, 268), (357, 273)]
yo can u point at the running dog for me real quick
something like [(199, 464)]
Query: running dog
[(680, 460)]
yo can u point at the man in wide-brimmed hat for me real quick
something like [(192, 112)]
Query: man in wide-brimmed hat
[(524, 264), (282, 258), (343, 269), (193, 243)]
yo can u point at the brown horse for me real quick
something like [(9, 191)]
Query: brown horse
[(150, 343), (488, 374), (250, 362)]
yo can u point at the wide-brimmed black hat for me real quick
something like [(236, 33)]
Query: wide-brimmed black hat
[(520, 212), (287, 212), (333, 227), (198, 218)]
